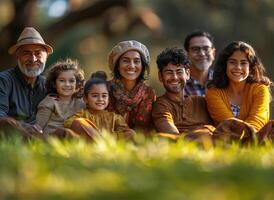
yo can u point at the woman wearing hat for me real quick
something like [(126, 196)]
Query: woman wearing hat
[(129, 94)]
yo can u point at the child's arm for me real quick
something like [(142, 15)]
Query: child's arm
[(45, 110), (80, 114)]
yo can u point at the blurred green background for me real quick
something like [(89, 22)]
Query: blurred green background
[(87, 30)]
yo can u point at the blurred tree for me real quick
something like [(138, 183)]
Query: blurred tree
[(103, 10), (251, 21)]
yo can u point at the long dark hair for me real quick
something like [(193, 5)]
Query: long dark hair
[(256, 68)]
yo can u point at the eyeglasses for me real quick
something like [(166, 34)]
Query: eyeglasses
[(197, 49)]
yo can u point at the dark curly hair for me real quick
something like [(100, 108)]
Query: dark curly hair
[(61, 66), (96, 78), (143, 75), (174, 55), (256, 68)]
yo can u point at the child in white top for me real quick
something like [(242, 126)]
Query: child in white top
[(64, 84)]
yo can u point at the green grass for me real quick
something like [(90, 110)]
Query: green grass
[(149, 169)]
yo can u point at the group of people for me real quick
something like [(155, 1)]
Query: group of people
[(227, 101)]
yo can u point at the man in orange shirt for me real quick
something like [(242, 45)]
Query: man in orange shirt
[(174, 112)]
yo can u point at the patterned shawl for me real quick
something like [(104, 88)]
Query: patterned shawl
[(135, 106)]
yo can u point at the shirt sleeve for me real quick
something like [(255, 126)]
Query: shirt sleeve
[(162, 118), (5, 89), (217, 105), (44, 112), (79, 114), (120, 124), (259, 112), (121, 128)]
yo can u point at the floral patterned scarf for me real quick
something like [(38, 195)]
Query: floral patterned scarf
[(122, 101)]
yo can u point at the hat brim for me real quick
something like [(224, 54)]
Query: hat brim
[(12, 50), (114, 59)]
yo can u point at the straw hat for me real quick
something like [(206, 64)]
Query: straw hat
[(30, 36), (123, 47)]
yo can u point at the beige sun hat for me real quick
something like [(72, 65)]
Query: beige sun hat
[(123, 47), (30, 36)]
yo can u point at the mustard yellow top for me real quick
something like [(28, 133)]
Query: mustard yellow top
[(253, 110), (103, 119)]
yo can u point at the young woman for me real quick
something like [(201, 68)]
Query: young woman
[(129, 95), (240, 90), (64, 85), (90, 122)]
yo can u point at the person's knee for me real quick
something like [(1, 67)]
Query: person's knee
[(78, 124)]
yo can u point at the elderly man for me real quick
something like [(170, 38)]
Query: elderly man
[(175, 113), (22, 87), (201, 53)]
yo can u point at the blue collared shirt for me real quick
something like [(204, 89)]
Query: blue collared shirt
[(17, 98)]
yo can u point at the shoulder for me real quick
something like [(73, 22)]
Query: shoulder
[(7, 74), (48, 101), (195, 101), (163, 103), (258, 89), (257, 86), (213, 92), (117, 116), (83, 112), (162, 99), (108, 113)]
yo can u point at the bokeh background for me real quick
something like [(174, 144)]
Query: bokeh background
[(87, 29)]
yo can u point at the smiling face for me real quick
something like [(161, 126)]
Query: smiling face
[(237, 67), (174, 78), (97, 97), (130, 66), (31, 59), (66, 85), (201, 53)]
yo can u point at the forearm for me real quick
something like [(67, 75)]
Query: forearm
[(166, 127)]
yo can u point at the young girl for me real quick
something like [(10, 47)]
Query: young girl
[(239, 94), (91, 121), (64, 85)]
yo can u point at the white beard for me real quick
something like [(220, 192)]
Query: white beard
[(31, 72)]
